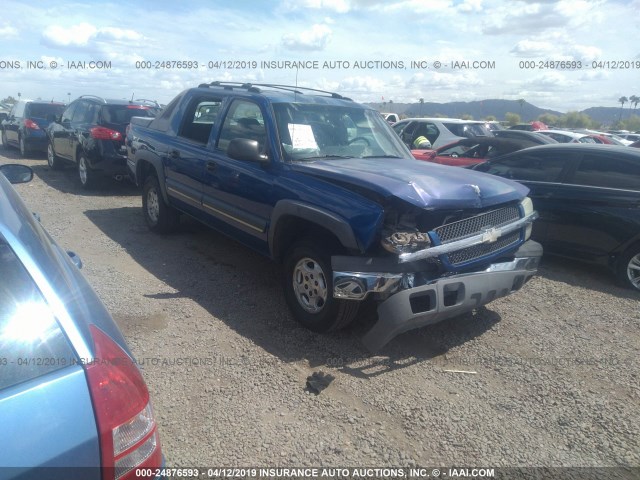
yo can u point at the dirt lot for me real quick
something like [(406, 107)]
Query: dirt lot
[(555, 366)]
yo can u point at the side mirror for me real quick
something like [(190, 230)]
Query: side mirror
[(246, 150), (17, 173)]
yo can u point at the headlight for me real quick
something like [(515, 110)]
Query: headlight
[(527, 207), (406, 242)]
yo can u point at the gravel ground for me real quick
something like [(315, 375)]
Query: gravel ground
[(555, 379)]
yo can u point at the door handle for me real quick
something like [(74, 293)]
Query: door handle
[(211, 166), (174, 154)]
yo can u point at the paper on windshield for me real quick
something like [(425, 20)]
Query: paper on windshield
[(302, 136)]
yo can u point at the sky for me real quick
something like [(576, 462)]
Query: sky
[(563, 55)]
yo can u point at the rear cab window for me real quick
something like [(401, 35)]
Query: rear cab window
[(200, 118), (32, 343)]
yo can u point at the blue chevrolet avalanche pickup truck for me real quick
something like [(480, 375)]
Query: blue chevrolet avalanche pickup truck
[(324, 186)]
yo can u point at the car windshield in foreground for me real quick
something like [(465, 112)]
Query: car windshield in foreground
[(310, 132)]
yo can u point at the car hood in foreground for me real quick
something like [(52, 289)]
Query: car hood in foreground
[(421, 184)]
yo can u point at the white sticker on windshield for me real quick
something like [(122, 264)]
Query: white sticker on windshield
[(302, 136)]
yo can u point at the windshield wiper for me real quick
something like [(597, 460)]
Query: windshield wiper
[(326, 157)]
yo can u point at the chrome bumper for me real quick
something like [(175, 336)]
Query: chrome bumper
[(409, 307)]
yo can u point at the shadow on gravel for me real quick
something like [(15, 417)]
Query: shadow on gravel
[(66, 180), (242, 288), (589, 277)]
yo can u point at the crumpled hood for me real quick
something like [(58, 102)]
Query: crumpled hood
[(417, 182)]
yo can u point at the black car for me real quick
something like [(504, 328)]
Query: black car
[(90, 134), (533, 137), (588, 198), (25, 125)]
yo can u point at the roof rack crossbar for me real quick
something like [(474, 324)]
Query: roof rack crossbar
[(254, 87)]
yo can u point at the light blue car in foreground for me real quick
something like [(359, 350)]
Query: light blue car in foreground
[(73, 403)]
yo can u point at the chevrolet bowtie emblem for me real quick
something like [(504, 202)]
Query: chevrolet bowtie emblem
[(490, 235)]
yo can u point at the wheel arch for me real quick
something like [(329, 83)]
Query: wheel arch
[(292, 220)]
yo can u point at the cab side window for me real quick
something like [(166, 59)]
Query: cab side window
[(244, 120), (531, 167), (604, 171)]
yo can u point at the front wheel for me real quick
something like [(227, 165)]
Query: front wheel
[(159, 216), (308, 289), (629, 268)]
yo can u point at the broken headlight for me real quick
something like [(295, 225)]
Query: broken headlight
[(527, 207), (406, 242)]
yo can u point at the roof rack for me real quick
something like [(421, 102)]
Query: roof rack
[(146, 101), (93, 96), (254, 87)]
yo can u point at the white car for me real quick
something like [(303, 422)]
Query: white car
[(567, 136), (439, 131)]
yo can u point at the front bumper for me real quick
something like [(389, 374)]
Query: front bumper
[(407, 307)]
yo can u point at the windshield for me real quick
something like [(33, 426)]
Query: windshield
[(312, 131), (468, 130)]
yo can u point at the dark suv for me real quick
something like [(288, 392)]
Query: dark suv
[(25, 125), (90, 133)]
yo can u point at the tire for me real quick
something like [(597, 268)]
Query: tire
[(307, 280), (85, 174), (24, 150), (54, 162), (159, 216), (629, 268), (4, 140)]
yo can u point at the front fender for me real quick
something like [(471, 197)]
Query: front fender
[(311, 213)]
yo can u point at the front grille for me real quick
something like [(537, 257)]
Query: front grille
[(478, 224), (478, 251)]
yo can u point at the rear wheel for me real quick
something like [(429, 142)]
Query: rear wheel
[(629, 268), (24, 151), (53, 160), (308, 289), (159, 216), (86, 175)]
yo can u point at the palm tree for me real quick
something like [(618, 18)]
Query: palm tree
[(635, 100), (622, 101), (521, 102)]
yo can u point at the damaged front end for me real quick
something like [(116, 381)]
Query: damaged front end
[(440, 266)]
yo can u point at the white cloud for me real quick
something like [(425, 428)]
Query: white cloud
[(338, 6), (87, 36), (470, 6), (533, 48), (76, 35), (7, 31), (316, 38), (550, 81)]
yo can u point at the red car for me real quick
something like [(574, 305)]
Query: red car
[(470, 151)]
